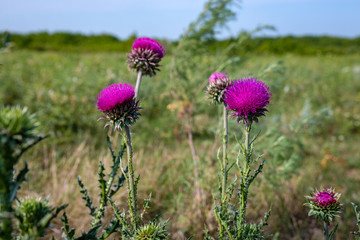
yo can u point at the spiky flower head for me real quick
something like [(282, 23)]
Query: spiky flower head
[(33, 215), (18, 131), (324, 204), (152, 231), (119, 105), (218, 83), (145, 55), (247, 98)]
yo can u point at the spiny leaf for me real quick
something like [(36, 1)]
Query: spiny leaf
[(86, 197)]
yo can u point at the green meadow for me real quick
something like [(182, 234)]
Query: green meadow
[(310, 136)]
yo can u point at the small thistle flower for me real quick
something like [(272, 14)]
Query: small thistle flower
[(119, 105), (324, 204), (247, 98), (152, 231), (218, 83), (33, 215), (145, 55)]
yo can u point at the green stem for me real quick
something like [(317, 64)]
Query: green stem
[(132, 190), (225, 159), (6, 226), (245, 175), (326, 231), (138, 82), (6, 188)]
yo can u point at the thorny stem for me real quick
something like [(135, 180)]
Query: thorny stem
[(132, 194), (245, 175), (224, 171), (138, 82), (326, 230), (104, 196), (225, 160)]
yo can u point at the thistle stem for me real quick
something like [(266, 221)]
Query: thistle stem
[(326, 230), (138, 82), (245, 175), (225, 159), (132, 190)]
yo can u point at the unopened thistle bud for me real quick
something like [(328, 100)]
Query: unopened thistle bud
[(119, 105), (324, 205), (146, 55), (247, 98), (218, 82)]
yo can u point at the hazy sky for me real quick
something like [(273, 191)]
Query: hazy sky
[(169, 18)]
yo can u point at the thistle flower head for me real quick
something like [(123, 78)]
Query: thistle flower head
[(119, 105), (145, 55), (31, 213), (218, 83), (216, 77), (324, 204), (326, 198), (149, 43), (247, 98), (152, 231)]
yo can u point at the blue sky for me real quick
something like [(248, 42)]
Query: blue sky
[(169, 18)]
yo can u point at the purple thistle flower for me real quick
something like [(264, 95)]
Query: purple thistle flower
[(324, 205), (247, 98), (150, 44), (145, 55), (113, 95), (218, 83), (119, 105), (325, 198)]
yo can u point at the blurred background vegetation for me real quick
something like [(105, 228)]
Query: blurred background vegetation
[(310, 136), (79, 43)]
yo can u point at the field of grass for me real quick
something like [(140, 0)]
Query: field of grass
[(310, 136)]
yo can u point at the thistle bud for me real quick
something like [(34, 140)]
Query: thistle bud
[(218, 83), (145, 55), (324, 204)]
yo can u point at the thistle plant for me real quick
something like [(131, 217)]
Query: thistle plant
[(34, 216), (121, 110), (325, 206), (120, 107), (357, 233), (218, 83), (17, 135), (144, 58), (247, 100)]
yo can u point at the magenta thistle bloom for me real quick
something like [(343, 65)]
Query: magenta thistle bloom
[(151, 44), (145, 55), (325, 198), (119, 105), (218, 83), (247, 98), (324, 204)]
